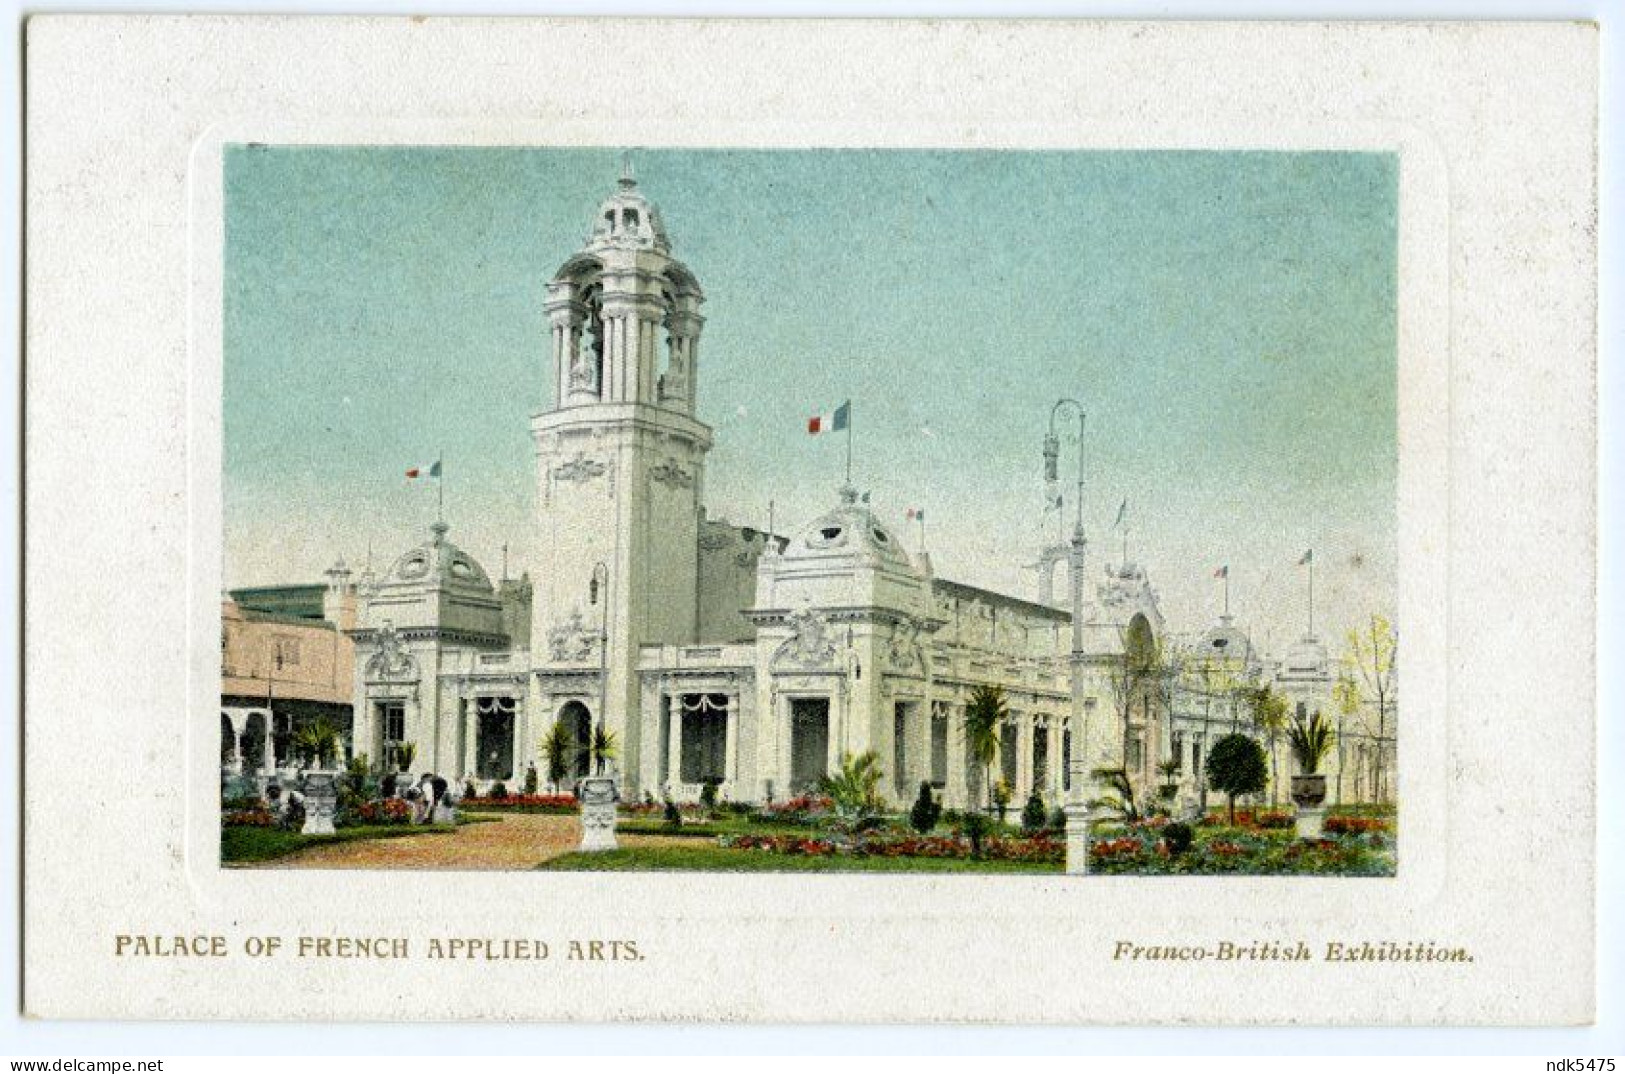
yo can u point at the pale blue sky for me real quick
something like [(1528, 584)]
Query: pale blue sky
[(1227, 318)]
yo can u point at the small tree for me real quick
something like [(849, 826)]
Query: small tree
[(1119, 799), (1169, 770), (1236, 766), (1033, 814), (317, 742), (926, 811), (985, 713), (1271, 717), (404, 753), (530, 779), (1001, 799), (558, 749)]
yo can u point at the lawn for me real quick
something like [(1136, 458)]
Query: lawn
[(718, 859), (246, 845)]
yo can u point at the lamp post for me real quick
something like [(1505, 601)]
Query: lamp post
[(599, 570), (1077, 810)]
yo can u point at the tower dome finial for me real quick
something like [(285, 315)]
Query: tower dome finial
[(628, 180)]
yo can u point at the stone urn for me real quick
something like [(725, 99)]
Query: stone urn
[(1309, 795), (597, 795), (321, 801)]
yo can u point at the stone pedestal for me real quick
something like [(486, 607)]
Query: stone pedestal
[(598, 795), (321, 799), (1078, 816), (1311, 822)]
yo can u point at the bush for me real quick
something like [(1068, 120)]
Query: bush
[(1057, 819), (927, 810), (976, 826), (1179, 838), (708, 794), (672, 815), (1033, 814), (469, 790), (499, 791), (1001, 798), (532, 781), (1237, 766), (389, 786)]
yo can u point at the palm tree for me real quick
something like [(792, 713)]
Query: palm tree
[(557, 750), (985, 713), (853, 789), (602, 749)]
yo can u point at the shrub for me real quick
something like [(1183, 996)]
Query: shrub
[(976, 826), (708, 794), (1237, 766), (499, 791), (1178, 837), (1057, 819), (1033, 814), (672, 815), (385, 811), (926, 811), (389, 786), (1310, 741), (469, 790), (256, 816), (531, 780)]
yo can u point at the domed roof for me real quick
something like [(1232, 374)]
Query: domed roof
[(850, 528), (628, 219), (1307, 655), (439, 562), (1225, 641)]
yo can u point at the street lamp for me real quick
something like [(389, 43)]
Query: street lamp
[(599, 570), (1078, 810)]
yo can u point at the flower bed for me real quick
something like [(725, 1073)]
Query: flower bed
[(1244, 851), (658, 809), (1343, 825), (804, 809), (1268, 820), (522, 803), (385, 811), (1040, 849), (253, 817)]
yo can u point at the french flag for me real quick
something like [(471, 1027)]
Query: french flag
[(830, 423), (431, 470)]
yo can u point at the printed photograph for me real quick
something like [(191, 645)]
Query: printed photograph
[(829, 510)]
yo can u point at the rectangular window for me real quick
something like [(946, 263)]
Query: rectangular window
[(285, 651), (899, 746), (1179, 751), (393, 717)]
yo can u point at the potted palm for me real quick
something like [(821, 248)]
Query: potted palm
[(319, 744), (1311, 740)]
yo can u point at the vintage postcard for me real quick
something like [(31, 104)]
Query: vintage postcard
[(622, 556)]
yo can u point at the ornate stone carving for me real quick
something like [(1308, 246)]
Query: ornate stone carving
[(391, 661), (903, 654), (810, 646), (572, 641), (671, 475), (579, 467)]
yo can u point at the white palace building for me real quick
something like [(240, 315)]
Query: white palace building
[(717, 653)]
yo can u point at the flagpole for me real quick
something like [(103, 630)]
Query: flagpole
[(1227, 592), (440, 488), (1311, 592), (849, 443)]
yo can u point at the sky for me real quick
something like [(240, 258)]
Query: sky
[(1228, 321)]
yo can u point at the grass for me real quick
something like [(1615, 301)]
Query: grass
[(248, 845), (716, 859)]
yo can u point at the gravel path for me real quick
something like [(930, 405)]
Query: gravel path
[(512, 841)]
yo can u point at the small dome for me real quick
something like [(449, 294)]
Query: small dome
[(627, 218), (1225, 642), (439, 562), (1306, 656), (847, 529)]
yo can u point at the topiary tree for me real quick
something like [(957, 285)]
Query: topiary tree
[(1033, 814), (531, 779), (558, 749), (926, 811), (1237, 766)]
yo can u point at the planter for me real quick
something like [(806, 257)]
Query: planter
[(598, 795), (1308, 791), (321, 800)]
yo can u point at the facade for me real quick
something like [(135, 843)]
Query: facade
[(720, 654), (286, 661)]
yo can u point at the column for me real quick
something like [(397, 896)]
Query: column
[(957, 792), (730, 747), (1054, 762), (268, 753), (1024, 761), (471, 738), (674, 742)]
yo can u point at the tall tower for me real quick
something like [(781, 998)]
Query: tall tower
[(620, 464)]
